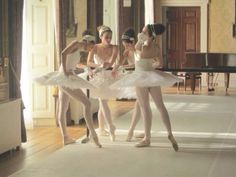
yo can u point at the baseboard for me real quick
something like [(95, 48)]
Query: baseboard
[(41, 122)]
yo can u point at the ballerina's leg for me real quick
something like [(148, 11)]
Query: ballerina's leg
[(107, 115), (62, 109), (135, 119), (101, 122), (143, 99), (157, 98), (79, 95)]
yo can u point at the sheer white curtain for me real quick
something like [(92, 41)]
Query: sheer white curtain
[(25, 76), (149, 12)]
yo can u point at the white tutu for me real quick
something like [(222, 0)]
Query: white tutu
[(146, 79), (145, 76), (58, 78), (102, 81)]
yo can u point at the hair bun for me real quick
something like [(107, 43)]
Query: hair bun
[(130, 32), (99, 27), (129, 35), (87, 32), (159, 28)]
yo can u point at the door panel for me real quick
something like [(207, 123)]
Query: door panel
[(40, 58), (173, 39), (191, 31)]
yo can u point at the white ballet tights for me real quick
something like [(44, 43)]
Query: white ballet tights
[(101, 120), (157, 98), (64, 94), (135, 117), (104, 115), (143, 99)]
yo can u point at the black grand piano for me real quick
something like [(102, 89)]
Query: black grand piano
[(209, 63)]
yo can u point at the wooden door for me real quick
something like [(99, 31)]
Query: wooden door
[(131, 15), (183, 34)]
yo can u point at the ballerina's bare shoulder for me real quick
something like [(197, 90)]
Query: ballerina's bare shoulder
[(149, 51)]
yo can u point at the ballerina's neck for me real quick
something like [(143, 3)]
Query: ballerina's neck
[(105, 45)]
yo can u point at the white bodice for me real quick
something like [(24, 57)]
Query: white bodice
[(143, 64), (98, 60), (72, 60)]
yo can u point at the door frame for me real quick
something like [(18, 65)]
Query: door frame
[(203, 4), (39, 114)]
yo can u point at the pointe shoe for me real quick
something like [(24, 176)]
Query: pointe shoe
[(173, 142), (103, 133), (85, 140), (67, 141), (143, 143), (139, 135), (129, 136), (96, 142), (112, 133)]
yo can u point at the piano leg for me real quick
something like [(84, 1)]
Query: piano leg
[(193, 82), (210, 82), (227, 77)]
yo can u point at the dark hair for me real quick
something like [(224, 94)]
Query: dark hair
[(157, 28), (129, 36), (87, 32)]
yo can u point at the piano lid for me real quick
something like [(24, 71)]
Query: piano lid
[(213, 60)]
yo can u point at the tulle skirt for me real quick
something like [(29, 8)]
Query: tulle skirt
[(102, 82), (145, 79), (58, 78)]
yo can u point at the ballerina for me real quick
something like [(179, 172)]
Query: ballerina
[(102, 57), (148, 81), (70, 85), (128, 41)]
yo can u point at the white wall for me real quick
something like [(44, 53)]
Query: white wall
[(110, 17)]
